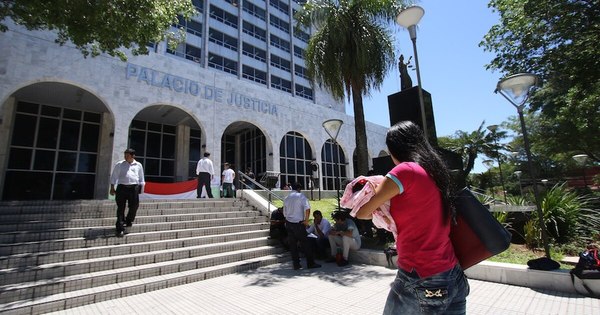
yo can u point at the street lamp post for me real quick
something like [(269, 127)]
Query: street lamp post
[(492, 129), (489, 164), (515, 89), (581, 159), (332, 127), (518, 174), (409, 18)]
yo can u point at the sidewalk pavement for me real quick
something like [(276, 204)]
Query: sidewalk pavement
[(355, 289)]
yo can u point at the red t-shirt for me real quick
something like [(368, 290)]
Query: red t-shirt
[(423, 241)]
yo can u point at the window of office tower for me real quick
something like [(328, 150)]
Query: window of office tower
[(295, 157)]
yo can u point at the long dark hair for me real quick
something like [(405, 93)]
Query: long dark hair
[(406, 143)]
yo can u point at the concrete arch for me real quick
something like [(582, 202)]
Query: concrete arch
[(245, 144), (304, 174), (184, 154), (54, 93)]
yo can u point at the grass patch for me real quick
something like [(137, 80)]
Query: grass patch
[(325, 205)]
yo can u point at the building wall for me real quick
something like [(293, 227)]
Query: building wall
[(126, 88)]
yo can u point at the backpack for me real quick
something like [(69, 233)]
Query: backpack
[(586, 274)]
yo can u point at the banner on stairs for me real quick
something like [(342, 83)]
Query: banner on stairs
[(179, 190)]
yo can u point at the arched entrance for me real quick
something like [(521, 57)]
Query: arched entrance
[(168, 142), (334, 165), (296, 157), (56, 132), (244, 146)]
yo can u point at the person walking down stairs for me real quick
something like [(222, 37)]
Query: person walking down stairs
[(128, 176)]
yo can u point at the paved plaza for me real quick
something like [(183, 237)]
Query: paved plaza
[(355, 289)]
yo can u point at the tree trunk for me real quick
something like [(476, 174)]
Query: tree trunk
[(360, 131)]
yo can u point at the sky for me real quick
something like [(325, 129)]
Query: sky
[(452, 69)]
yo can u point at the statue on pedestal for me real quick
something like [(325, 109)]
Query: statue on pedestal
[(405, 80)]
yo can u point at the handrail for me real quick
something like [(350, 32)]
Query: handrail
[(244, 183)]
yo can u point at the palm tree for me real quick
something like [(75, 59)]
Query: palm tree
[(470, 144), (350, 52)]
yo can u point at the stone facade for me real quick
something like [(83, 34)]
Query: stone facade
[(211, 99)]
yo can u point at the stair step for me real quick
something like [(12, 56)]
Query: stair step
[(61, 254), (27, 273), (108, 221), (61, 301), (111, 240), (49, 206), (40, 288), (49, 257), (107, 213), (107, 231)]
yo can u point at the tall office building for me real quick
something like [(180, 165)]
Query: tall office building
[(237, 87)]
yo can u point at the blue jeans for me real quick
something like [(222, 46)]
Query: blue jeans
[(442, 293)]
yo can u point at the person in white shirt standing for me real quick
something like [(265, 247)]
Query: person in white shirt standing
[(296, 210), (227, 179), (205, 172), (128, 175)]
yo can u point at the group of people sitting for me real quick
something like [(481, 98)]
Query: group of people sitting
[(328, 242)]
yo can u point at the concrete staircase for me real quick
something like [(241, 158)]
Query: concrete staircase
[(56, 255)]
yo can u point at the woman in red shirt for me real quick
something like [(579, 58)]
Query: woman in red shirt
[(430, 279)]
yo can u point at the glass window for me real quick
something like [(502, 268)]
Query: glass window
[(222, 39), (333, 165), (155, 147), (50, 111), (24, 130), (89, 138), (67, 161), (223, 16), (44, 160), (25, 107), (59, 133), (254, 74), (298, 52), (48, 132), (254, 52), (279, 23), (281, 84), (222, 63), (254, 10), (254, 31), (20, 159), (280, 43), (295, 154)]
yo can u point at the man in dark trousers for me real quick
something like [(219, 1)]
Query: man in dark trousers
[(128, 175), (205, 172), (296, 210)]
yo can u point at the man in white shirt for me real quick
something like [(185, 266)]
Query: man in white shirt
[(296, 210), (319, 234), (227, 179), (128, 175), (205, 172)]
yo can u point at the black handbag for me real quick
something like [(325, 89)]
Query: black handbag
[(476, 235)]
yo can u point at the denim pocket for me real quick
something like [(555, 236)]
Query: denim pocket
[(432, 300)]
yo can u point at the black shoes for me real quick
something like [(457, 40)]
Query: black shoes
[(128, 224), (297, 267), (313, 266), (343, 263), (120, 233)]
